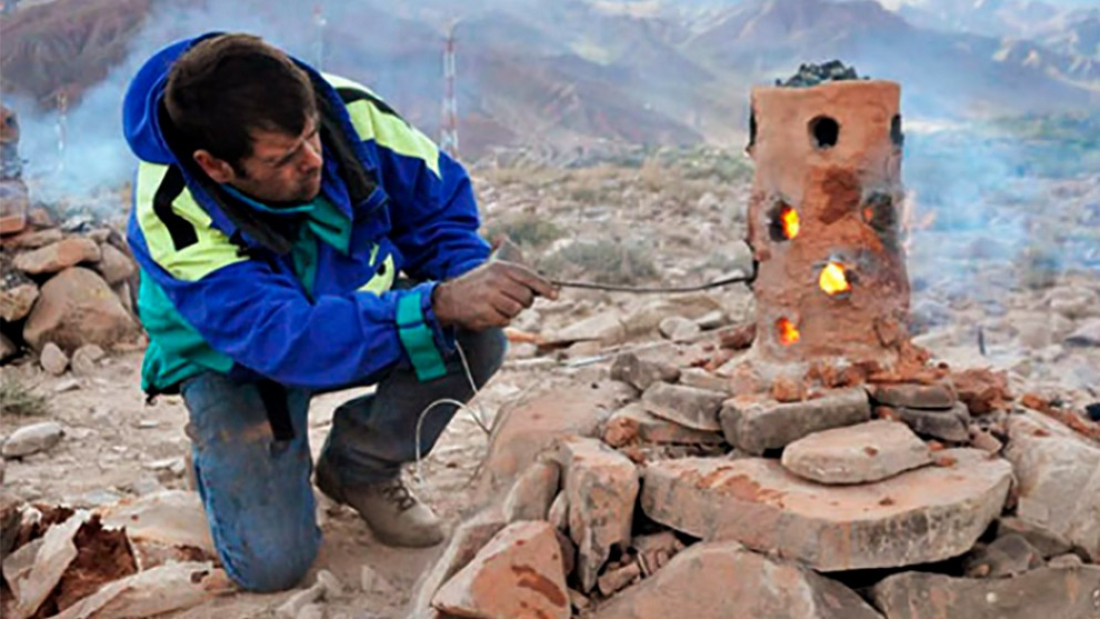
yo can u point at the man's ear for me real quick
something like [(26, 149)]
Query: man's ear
[(217, 169)]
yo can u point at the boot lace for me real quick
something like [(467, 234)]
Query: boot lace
[(397, 493)]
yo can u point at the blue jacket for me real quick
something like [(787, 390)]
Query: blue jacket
[(304, 301)]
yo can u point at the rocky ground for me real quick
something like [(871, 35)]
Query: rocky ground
[(979, 302)]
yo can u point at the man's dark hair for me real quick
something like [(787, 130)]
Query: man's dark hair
[(229, 85)]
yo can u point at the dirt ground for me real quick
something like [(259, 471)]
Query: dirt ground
[(118, 446)]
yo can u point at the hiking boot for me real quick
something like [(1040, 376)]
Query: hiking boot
[(393, 513)]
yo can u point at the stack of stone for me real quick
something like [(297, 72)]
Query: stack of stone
[(659, 495), (62, 291)]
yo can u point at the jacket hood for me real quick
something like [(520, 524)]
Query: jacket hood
[(140, 117), (140, 121)]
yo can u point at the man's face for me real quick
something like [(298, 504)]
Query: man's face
[(282, 168)]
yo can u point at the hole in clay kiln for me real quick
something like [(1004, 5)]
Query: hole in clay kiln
[(787, 332), (835, 279), (879, 213), (825, 132), (785, 223), (896, 134)]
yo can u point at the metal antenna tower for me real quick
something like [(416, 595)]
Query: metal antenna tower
[(449, 128), (62, 128), (319, 23)]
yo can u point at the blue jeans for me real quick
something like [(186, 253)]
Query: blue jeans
[(256, 489)]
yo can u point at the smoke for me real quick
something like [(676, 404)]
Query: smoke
[(79, 156)]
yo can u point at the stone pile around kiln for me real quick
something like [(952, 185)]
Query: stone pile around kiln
[(651, 496), (63, 291), (795, 473)]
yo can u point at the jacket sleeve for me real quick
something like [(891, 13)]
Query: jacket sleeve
[(435, 217), (434, 213), (263, 320)]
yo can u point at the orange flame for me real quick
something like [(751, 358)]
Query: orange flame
[(834, 279), (788, 218), (788, 333)]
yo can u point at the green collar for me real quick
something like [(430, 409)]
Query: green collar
[(326, 221)]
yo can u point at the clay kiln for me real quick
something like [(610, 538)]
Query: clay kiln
[(824, 224)]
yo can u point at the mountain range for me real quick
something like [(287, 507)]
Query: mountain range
[(574, 72)]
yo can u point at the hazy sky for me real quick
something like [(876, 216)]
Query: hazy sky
[(1066, 3)]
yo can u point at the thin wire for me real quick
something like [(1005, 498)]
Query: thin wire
[(477, 415), (460, 406), (565, 283), (473, 387)]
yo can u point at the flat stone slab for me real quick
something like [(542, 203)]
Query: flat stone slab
[(533, 492), (914, 395), (1059, 479), (1006, 556), (58, 256), (951, 424), (76, 307), (17, 301), (690, 407), (755, 426), (1062, 593), (601, 487), (698, 377), (31, 439), (519, 573), (723, 580), (868, 452), (470, 537), (526, 427), (641, 373), (633, 421), (1088, 334), (921, 516)]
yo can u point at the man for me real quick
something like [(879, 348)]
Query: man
[(273, 210)]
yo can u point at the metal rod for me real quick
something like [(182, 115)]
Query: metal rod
[(739, 278)]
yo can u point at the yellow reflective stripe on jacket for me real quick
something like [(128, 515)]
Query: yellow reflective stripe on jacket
[(387, 130), (213, 249), (383, 280)]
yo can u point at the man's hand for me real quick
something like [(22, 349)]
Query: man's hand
[(489, 296)]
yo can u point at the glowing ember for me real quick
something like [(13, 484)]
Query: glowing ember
[(788, 333), (788, 218), (834, 279)]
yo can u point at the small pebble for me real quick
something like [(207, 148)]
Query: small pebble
[(69, 384)]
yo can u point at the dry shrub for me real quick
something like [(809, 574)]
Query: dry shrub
[(605, 261), (526, 229), (527, 176), (652, 175), (21, 401)]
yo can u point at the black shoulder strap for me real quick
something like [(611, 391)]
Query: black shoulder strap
[(360, 182), (246, 219), (182, 231), (351, 95)]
